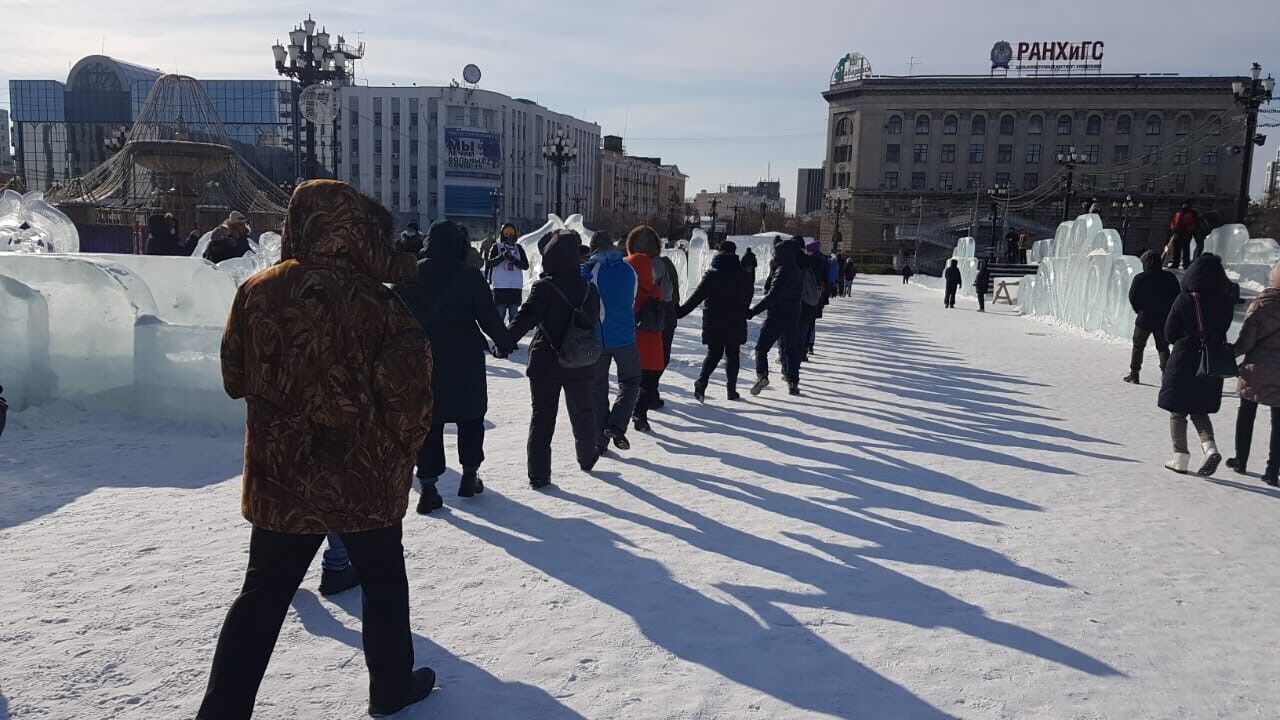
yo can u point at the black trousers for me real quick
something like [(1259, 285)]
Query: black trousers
[(982, 300), (949, 297), (1245, 418), (648, 392), (1140, 336), (784, 329), (431, 462), (277, 564), (1181, 251), (545, 395), (733, 356), (808, 327)]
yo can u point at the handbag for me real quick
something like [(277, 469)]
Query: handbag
[(652, 317), (581, 345), (1217, 359)]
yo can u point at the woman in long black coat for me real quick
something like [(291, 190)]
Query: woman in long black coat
[(726, 289), (453, 304), (1183, 392)]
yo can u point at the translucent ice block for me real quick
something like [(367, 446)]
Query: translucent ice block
[(187, 290), (24, 349)]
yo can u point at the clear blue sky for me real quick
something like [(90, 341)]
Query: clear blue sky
[(724, 89)]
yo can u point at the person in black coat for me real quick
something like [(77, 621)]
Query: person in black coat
[(1205, 297), (549, 309), (410, 241), (907, 272), (452, 303), (1151, 296), (782, 300), (749, 263), (161, 239), (726, 290), (952, 277), (982, 285)]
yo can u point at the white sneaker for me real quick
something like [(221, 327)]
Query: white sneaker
[(1179, 463)]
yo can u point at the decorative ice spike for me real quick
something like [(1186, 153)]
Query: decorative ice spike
[(29, 224)]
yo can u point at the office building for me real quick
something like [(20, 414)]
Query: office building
[(745, 212), (639, 190), (1271, 184), (809, 191), (917, 155)]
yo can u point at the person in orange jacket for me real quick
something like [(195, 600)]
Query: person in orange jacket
[(642, 244)]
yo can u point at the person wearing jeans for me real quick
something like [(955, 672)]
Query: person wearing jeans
[(504, 269), (1259, 382), (616, 284), (782, 301)]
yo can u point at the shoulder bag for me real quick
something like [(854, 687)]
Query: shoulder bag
[(1217, 360)]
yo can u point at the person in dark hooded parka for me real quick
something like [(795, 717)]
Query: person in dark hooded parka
[(452, 302), (782, 301), (1206, 297), (161, 240), (550, 308), (726, 289), (1151, 295)]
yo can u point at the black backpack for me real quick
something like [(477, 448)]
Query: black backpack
[(581, 345)]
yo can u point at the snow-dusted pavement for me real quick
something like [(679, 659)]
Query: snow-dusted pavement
[(964, 516)]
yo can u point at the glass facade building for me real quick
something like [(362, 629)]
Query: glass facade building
[(62, 131)]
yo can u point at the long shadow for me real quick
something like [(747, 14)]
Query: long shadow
[(465, 690), (4, 707), (784, 659)]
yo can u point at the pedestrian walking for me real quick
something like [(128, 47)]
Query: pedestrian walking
[(504, 268), (337, 377), (1200, 317), (562, 306), (907, 272), (813, 269), (953, 280), (615, 282), (850, 274), (1151, 296), (452, 303), (749, 264), (782, 301), (669, 280), (1259, 382), (982, 285), (726, 291), (642, 245), (1182, 229)]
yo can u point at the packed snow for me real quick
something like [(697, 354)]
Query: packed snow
[(965, 516)]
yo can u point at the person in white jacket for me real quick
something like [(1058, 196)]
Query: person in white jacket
[(504, 268)]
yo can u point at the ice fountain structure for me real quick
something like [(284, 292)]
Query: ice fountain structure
[(29, 224)]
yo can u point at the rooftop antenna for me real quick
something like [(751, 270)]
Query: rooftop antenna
[(911, 65)]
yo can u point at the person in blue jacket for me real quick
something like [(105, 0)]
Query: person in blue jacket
[(616, 283)]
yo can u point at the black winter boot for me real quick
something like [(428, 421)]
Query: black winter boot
[(1236, 465), (700, 390), (471, 484), (430, 498), (424, 681), (333, 582), (1132, 378)]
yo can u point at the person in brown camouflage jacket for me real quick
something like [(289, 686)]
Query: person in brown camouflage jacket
[(337, 376)]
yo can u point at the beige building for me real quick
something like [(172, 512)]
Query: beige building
[(917, 155), (738, 209), (1271, 185), (635, 190)]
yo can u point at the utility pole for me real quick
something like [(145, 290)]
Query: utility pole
[(763, 226), (735, 209), (1250, 96)]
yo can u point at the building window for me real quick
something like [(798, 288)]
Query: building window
[(395, 119), (1210, 183), (377, 119), (978, 126), (1183, 125), (922, 124), (1179, 183), (1180, 157), (948, 153), (413, 122), (1002, 178), (946, 180), (377, 146), (1149, 182), (1033, 154), (841, 180), (842, 153), (844, 126), (895, 125), (395, 147), (977, 153), (413, 173), (1006, 125), (413, 148), (974, 180), (1120, 154), (1030, 180), (892, 153), (1091, 153), (1124, 125), (1004, 154), (355, 145), (917, 181), (377, 172), (1035, 126), (1210, 156), (1064, 124), (1119, 181), (355, 173), (1154, 126), (921, 153), (891, 181), (395, 173), (1151, 155), (950, 125), (1093, 126)]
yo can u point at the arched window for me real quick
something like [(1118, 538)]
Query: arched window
[(1035, 125), (978, 126), (844, 126), (1093, 126), (1154, 125), (950, 125), (922, 124), (1184, 125), (1006, 125), (1124, 125), (1064, 124), (895, 125)]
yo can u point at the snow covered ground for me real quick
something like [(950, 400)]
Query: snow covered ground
[(965, 516)]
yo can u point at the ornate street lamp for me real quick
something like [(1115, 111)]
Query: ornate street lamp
[(998, 193), (1069, 160), (559, 150), (1250, 96), (1125, 208)]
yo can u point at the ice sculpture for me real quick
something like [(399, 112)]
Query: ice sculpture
[(187, 291), (24, 353), (29, 224), (1248, 260)]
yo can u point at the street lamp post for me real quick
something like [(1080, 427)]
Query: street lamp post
[(311, 59), (763, 226), (998, 193), (1250, 96), (838, 207), (715, 205), (559, 150), (1069, 160), (495, 195), (1125, 207)]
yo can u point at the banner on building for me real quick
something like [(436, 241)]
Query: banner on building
[(472, 154)]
